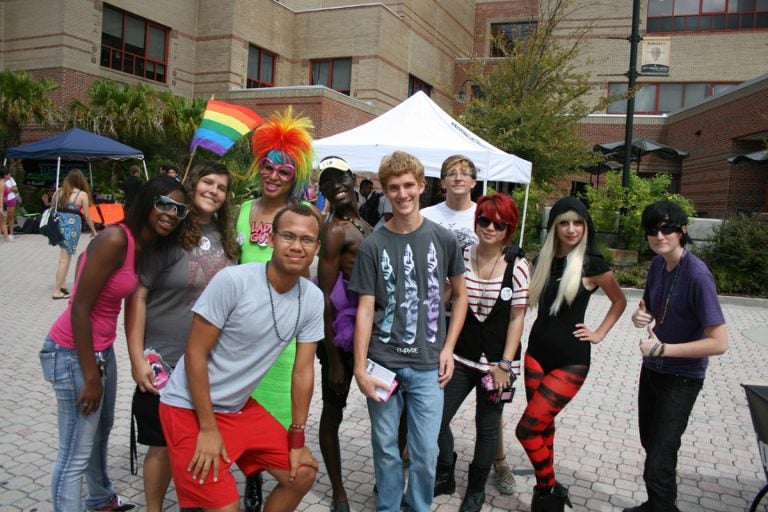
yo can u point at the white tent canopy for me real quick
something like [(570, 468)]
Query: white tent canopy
[(423, 129), (418, 126)]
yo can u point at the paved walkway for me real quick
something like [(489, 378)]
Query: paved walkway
[(598, 453)]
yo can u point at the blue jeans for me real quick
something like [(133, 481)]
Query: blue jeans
[(487, 415), (421, 392), (82, 439), (664, 406)]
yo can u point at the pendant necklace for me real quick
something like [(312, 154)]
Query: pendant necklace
[(484, 285), (662, 315), (272, 304), (365, 231)]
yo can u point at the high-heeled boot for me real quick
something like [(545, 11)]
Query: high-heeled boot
[(538, 496), (445, 481), (555, 499), (475, 496)]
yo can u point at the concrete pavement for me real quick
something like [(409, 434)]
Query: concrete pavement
[(598, 452)]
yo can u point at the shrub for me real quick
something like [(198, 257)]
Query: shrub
[(737, 257), (611, 199), (632, 276)]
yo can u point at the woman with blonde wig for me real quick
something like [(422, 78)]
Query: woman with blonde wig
[(567, 272)]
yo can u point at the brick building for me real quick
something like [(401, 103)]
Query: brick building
[(344, 62)]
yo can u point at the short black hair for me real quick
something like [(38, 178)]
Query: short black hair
[(365, 182), (665, 211), (297, 208)]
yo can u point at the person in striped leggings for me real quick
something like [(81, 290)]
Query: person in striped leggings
[(567, 271)]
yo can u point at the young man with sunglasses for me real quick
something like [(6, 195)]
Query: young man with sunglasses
[(242, 322), (400, 275), (680, 300)]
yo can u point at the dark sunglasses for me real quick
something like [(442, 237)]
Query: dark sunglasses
[(484, 222), (666, 230), (165, 204)]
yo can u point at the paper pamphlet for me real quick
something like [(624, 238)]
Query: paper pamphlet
[(388, 376)]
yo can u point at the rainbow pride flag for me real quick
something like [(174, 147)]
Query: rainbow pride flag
[(223, 125)]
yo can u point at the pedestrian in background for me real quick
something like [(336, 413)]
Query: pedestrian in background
[(73, 200)]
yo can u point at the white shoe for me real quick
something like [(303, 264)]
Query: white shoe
[(11, 238)]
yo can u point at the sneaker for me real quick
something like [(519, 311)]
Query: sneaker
[(11, 238), (116, 504), (505, 480)]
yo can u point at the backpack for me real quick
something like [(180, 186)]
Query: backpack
[(369, 211)]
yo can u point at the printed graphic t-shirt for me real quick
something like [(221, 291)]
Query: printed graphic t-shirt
[(406, 274)]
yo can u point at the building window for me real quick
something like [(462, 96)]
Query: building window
[(698, 15), (134, 45), (664, 97), (333, 73), (261, 68), (506, 35), (415, 85)]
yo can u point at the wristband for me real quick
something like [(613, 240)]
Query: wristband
[(295, 439), (296, 426)]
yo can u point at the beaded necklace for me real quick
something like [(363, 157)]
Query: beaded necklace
[(272, 304), (662, 315), (361, 228)]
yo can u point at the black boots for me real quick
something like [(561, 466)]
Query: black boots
[(550, 500), (475, 496), (253, 498), (445, 483)]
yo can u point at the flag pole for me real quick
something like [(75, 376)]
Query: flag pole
[(189, 164), (192, 154)]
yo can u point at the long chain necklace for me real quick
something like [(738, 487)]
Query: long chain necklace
[(365, 230), (484, 285), (662, 315), (272, 304)]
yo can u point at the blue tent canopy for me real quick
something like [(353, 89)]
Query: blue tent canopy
[(76, 144)]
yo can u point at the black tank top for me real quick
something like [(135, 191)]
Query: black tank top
[(551, 341)]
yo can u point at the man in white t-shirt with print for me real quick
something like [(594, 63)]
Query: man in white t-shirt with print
[(458, 177)]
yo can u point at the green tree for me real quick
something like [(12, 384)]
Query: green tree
[(131, 114), (531, 101), (606, 203), (24, 99), (180, 120)]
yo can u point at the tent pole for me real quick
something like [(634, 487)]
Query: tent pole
[(146, 174), (58, 170), (525, 213), (90, 175)]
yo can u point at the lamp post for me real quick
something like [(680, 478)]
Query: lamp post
[(632, 74), (475, 88)]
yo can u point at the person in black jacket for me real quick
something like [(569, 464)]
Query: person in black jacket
[(487, 354)]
